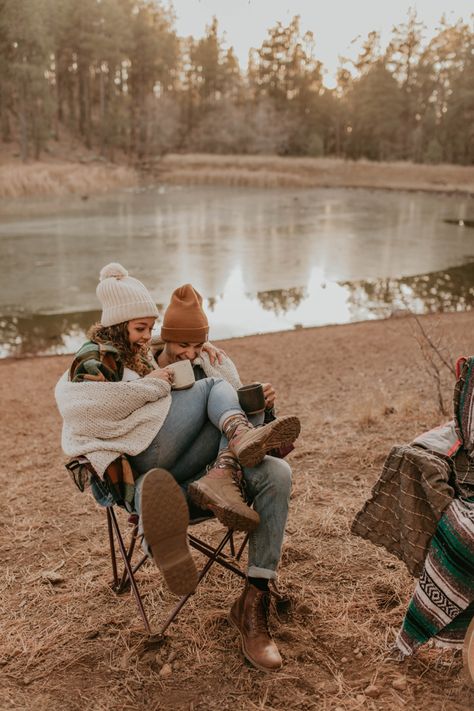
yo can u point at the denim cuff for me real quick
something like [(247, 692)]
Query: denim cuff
[(254, 572)]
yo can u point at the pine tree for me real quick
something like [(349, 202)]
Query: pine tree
[(25, 53)]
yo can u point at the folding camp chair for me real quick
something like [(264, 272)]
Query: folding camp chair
[(81, 471), (126, 581)]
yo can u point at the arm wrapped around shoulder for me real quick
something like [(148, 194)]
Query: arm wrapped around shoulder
[(225, 370)]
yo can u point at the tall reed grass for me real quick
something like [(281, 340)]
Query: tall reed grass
[(276, 171), (62, 179)]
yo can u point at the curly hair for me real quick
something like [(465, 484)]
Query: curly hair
[(132, 355)]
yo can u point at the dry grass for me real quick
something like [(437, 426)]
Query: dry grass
[(17, 180), (62, 172), (73, 644), (274, 171)]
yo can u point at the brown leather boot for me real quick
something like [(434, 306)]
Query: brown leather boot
[(250, 444), (249, 614), (220, 491)]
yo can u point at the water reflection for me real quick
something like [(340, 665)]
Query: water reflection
[(450, 290), (235, 312), (282, 300)]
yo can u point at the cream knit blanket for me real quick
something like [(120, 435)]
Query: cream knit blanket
[(104, 420)]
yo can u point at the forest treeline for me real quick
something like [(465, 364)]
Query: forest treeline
[(115, 74)]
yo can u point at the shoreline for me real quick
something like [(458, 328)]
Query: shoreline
[(91, 176), (398, 316), (231, 339)]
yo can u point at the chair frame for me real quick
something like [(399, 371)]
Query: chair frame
[(126, 580)]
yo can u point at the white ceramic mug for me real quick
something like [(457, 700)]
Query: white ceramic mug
[(183, 374)]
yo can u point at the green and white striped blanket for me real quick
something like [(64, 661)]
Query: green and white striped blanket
[(442, 605)]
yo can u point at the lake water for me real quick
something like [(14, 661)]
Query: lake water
[(265, 260)]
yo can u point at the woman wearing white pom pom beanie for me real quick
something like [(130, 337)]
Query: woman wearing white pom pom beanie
[(115, 400)]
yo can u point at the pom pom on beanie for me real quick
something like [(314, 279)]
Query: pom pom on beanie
[(114, 269)]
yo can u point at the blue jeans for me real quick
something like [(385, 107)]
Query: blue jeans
[(268, 486), (189, 437)]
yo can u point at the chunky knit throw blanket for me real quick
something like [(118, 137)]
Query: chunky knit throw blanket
[(442, 605), (104, 420)]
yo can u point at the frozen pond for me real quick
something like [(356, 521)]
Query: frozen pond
[(265, 260)]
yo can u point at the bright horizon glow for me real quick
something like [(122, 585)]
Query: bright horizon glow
[(339, 27)]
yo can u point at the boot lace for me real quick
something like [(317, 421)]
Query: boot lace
[(226, 460), (260, 613), (232, 425)]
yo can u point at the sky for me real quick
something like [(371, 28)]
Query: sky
[(335, 23)]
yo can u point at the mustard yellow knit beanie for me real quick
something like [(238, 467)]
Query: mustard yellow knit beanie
[(184, 320)]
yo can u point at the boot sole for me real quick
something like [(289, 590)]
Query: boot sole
[(283, 431), (247, 656), (165, 520), (228, 517)]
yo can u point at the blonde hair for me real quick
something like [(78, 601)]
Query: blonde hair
[(132, 355)]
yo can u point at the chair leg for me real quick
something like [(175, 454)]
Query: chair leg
[(216, 555), (124, 582), (242, 547), (129, 570), (113, 557)]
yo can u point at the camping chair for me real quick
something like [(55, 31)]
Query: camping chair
[(81, 470)]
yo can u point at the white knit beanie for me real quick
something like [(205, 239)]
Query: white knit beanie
[(123, 298)]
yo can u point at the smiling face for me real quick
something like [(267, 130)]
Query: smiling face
[(139, 330), (182, 351)]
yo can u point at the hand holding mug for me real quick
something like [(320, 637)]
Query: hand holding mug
[(182, 374), (162, 374), (269, 394)]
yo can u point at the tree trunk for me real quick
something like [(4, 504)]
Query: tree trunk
[(4, 116), (23, 121)]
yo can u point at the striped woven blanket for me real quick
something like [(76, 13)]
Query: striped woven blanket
[(442, 605)]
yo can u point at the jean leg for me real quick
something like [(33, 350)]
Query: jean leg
[(198, 455), (269, 486), (223, 402), (209, 399)]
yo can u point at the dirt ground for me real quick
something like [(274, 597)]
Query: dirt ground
[(68, 643)]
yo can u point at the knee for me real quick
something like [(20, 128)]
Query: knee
[(202, 386), (279, 475)]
